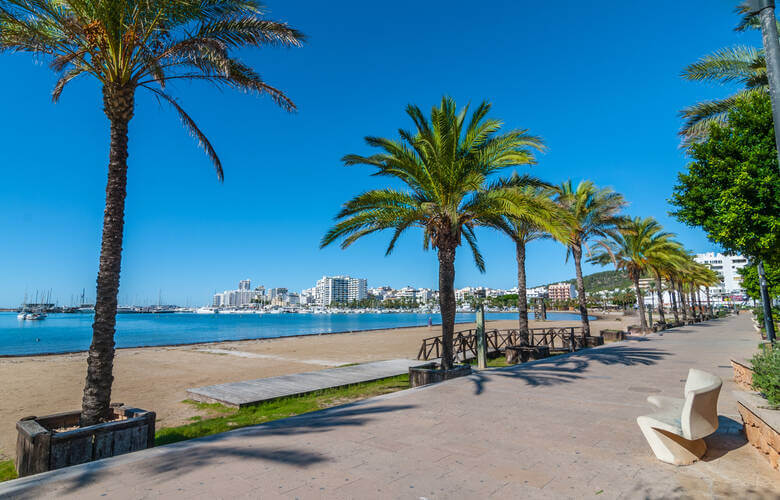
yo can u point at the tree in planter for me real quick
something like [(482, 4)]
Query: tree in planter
[(127, 46), (594, 212), (632, 248), (445, 164), (548, 222)]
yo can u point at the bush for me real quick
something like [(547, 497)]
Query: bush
[(759, 314), (766, 373)]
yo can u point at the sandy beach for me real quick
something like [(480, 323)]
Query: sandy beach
[(155, 378)]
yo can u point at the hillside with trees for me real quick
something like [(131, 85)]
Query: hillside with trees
[(604, 280)]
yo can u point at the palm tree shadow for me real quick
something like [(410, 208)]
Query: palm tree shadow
[(568, 368), (178, 459)]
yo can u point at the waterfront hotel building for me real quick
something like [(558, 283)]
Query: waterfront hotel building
[(340, 290)]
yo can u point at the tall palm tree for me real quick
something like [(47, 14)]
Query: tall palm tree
[(126, 46), (594, 212), (549, 222), (740, 64), (660, 263), (637, 243), (445, 164)]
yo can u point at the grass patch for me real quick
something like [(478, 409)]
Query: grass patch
[(498, 362), (7, 471), (227, 418)]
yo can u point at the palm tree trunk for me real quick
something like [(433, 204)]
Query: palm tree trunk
[(522, 299), (660, 285), (576, 251), (683, 305), (447, 303), (118, 105), (709, 304), (698, 301), (640, 302), (672, 293)]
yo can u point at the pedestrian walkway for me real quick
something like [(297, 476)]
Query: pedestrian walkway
[(251, 392), (563, 427)]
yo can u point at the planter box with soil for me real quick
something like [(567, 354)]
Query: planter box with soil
[(432, 373), (762, 425), (56, 441), (638, 330), (520, 354), (593, 341), (613, 335)]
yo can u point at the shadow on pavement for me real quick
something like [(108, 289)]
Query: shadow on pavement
[(568, 368), (728, 437), (179, 459)]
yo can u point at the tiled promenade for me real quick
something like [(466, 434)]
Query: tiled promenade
[(559, 428)]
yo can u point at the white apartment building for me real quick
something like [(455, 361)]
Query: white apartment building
[(241, 297), (426, 295), (340, 289), (536, 292), (727, 266)]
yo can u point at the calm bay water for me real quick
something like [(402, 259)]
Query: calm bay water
[(73, 332)]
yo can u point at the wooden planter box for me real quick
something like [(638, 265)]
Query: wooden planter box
[(636, 329), (593, 341), (762, 425), (520, 354), (613, 335), (39, 447), (432, 373)]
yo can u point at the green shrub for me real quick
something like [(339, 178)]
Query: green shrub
[(766, 373), (759, 313)]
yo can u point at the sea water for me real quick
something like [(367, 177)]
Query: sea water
[(60, 333)]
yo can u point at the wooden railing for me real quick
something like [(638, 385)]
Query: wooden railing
[(464, 342)]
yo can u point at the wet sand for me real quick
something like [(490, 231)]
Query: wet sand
[(156, 378)]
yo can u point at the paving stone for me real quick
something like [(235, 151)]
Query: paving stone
[(527, 431)]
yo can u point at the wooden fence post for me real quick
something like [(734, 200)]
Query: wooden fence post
[(481, 339)]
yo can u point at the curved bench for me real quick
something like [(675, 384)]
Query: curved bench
[(676, 431)]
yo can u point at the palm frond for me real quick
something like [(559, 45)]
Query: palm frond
[(192, 127)]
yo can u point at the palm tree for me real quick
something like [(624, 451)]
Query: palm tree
[(740, 64), (637, 243), (445, 164), (594, 212), (660, 263), (127, 46), (549, 222)]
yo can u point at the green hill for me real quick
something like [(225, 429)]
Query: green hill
[(604, 280)]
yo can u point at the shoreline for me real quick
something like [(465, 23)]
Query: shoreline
[(156, 378), (594, 317), (226, 341)]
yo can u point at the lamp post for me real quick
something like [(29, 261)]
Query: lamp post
[(765, 9)]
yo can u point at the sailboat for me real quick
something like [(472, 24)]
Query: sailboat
[(28, 314), (84, 307)]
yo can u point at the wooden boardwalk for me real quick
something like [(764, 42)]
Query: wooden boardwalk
[(250, 392)]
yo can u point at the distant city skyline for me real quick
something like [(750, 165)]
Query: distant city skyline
[(612, 119), (727, 266)]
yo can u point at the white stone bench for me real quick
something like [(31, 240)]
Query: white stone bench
[(676, 431)]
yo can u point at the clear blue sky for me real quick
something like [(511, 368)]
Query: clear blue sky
[(599, 81)]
